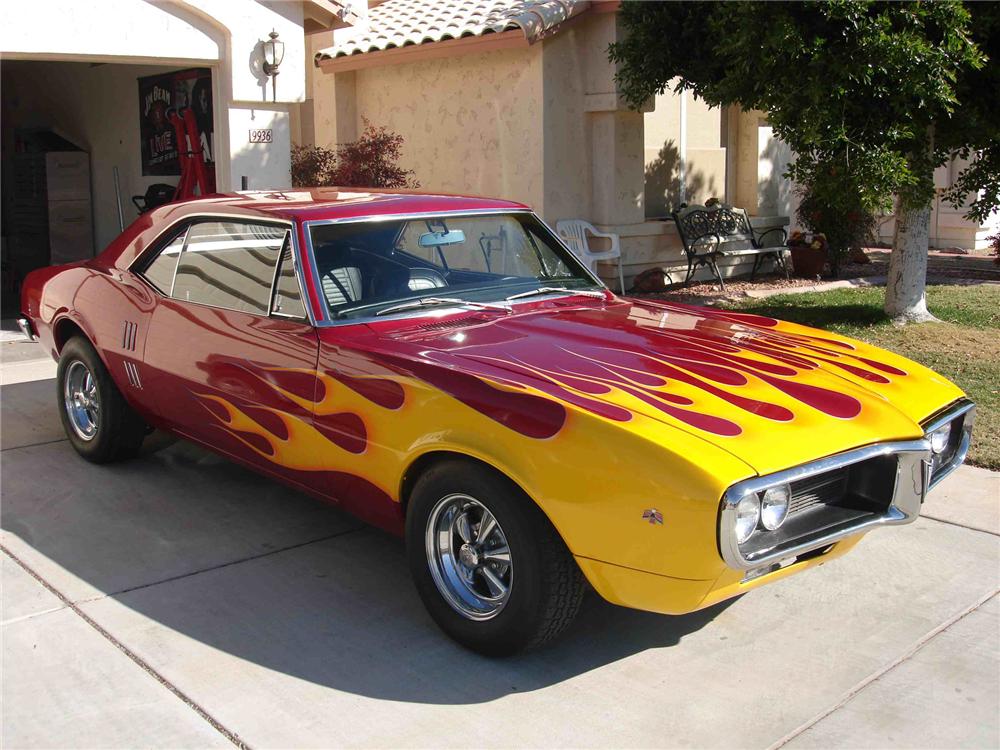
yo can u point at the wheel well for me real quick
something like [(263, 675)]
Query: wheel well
[(426, 461), (64, 330)]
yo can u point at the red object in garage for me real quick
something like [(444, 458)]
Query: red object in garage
[(193, 172)]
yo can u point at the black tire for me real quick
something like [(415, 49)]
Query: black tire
[(119, 431), (547, 586)]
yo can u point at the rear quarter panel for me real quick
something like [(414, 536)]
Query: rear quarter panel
[(48, 297), (111, 307)]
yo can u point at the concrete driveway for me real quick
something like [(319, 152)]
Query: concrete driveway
[(181, 601)]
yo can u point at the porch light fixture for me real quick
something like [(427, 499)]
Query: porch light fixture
[(274, 52)]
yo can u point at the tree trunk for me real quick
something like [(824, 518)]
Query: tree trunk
[(905, 298)]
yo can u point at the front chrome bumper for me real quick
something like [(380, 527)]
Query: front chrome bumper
[(890, 481)]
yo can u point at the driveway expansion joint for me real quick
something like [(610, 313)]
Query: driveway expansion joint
[(220, 566), (959, 525), (142, 664), (879, 673), (33, 445)]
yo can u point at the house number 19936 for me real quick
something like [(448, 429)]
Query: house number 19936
[(260, 135)]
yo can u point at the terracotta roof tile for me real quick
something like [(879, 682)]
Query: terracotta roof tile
[(400, 23)]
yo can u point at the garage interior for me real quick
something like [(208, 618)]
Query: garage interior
[(64, 129)]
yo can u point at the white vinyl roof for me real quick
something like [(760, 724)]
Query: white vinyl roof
[(402, 23)]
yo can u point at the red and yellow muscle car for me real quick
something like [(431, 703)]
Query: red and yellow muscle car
[(445, 368)]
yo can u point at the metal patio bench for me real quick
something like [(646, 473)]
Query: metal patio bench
[(710, 233)]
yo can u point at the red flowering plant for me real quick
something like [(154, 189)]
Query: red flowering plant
[(370, 161)]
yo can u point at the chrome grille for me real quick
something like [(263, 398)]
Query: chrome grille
[(826, 489)]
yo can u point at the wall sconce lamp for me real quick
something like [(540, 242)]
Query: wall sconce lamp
[(274, 52)]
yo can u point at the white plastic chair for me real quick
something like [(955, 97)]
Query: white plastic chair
[(574, 233)]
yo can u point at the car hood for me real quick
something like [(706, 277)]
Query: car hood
[(773, 394)]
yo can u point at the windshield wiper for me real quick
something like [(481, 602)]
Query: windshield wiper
[(432, 301), (555, 290)]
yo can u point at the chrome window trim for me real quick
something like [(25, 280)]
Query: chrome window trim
[(271, 312), (197, 218), (177, 263), (287, 239), (322, 316), (911, 484), (963, 406), (297, 266)]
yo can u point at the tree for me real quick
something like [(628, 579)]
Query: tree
[(881, 92)]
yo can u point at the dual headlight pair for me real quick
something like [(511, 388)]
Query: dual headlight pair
[(767, 508)]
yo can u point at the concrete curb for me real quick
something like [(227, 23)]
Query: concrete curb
[(866, 281), (822, 287)]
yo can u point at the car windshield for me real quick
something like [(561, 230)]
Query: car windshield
[(368, 266)]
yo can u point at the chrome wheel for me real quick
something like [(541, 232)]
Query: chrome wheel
[(468, 557), (83, 405)]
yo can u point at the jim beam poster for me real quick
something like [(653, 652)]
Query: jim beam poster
[(159, 95)]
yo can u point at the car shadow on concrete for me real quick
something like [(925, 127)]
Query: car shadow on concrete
[(343, 614), (216, 553)]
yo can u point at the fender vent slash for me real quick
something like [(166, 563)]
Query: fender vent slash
[(128, 335), (132, 373)]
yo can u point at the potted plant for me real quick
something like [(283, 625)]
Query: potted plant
[(809, 253)]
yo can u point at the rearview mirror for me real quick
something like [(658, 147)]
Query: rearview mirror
[(434, 239)]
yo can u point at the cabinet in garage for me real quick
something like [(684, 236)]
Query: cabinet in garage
[(51, 213)]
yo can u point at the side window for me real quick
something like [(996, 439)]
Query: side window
[(287, 296), (229, 264), (160, 273)]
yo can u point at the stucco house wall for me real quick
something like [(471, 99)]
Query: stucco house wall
[(471, 127), (683, 136), (567, 175)]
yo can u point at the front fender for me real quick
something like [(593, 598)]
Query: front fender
[(595, 479)]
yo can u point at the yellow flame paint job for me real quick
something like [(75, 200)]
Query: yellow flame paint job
[(596, 476), (592, 479)]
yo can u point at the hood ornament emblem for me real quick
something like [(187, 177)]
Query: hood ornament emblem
[(653, 516)]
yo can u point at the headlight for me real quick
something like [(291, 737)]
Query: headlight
[(940, 438), (747, 515), (774, 506)]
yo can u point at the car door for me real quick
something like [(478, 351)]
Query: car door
[(230, 353)]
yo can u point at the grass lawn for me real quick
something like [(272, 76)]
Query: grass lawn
[(965, 347)]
